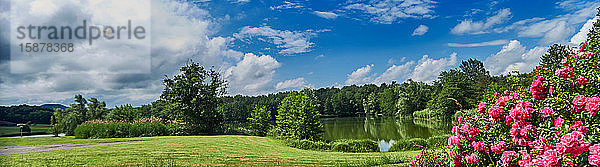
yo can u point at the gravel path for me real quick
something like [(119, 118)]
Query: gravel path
[(8, 150)]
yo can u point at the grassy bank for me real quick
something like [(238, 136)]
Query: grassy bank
[(38, 129), (226, 150)]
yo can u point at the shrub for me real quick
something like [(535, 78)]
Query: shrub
[(340, 147), (177, 129), (438, 141), (408, 145), (419, 142), (353, 145), (120, 130), (431, 157), (309, 145)]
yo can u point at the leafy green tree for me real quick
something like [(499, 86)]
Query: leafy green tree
[(554, 55), (341, 104), (55, 128), (371, 104), (412, 96), (80, 107), (124, 113), (387, 101), (25, 113), (478, 79), (298, 119), (96, 109), (453, 94), (67, 120), (195, 94), (594, 35), (260, 120)]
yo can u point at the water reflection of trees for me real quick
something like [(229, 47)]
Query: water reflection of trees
[(378, 128), (436, 127)]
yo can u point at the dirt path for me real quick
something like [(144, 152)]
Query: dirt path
[(8, 150)]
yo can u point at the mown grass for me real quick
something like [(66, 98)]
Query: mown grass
[(227, 150), (23, 141), (15, 131)]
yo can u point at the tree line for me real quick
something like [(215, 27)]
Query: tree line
[(197, 96)]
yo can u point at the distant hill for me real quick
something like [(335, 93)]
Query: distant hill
[(53, 106)]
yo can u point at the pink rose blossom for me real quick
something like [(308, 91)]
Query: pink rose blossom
[(454, 141), (481, 107), (592, 105), (525, 158), (582, 81), (498, 148), (472, 159), (576, 125), (558, 122), (564, 72), (507, 156), (479, 146), (495, 111), (538, 91), (572, 143), (549, 159), (579, 102), (547, 112), (594, 157)]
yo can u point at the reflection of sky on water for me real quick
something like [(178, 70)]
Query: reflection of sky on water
[(381, 128)]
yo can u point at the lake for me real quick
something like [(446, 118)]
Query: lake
[(382, 128)]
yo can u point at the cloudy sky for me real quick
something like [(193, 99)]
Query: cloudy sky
[(269, 46)]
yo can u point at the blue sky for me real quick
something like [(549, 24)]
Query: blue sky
[(353, 38), (269, 46)]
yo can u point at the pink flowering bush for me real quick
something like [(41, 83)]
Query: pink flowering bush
[(553, 123)]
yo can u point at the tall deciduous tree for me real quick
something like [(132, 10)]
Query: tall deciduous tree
[(371, 104), (260, 120), (96, 109), (124, 113), (195, 94), (298, 119), (387, 101), (478, 78), (413, 96)]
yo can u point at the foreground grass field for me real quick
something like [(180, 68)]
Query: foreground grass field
[(38, 129), (227, 150)]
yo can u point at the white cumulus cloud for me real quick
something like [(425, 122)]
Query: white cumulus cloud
[(292, 83), (481, 27), (395, 73), (421, 30), (428, 69), (290, 42), (360, 76), (252, 75), (391, 11), (514, 57), (557, 29), (581, 36), (179, 33)]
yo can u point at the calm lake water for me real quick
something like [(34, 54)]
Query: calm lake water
[(382, 128)]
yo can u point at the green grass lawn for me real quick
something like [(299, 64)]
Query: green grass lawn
[(228, 150), (15, 131)]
